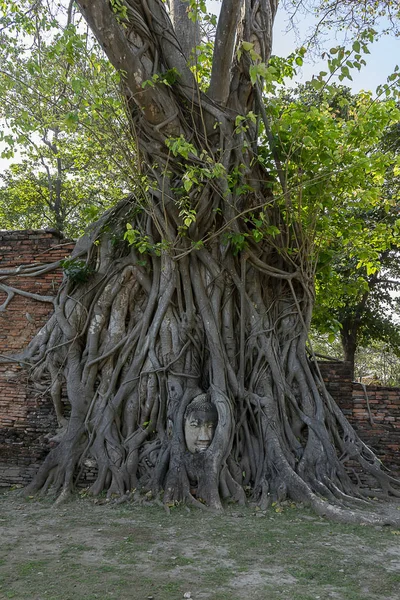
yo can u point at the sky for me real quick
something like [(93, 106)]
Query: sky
[(385, 54)]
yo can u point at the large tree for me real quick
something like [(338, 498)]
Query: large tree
[(199, 287)]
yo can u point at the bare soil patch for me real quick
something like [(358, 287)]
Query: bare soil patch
[(87, 551)]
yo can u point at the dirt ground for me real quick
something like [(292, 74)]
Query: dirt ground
[(85, 551)]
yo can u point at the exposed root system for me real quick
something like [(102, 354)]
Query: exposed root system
[(142, 337)]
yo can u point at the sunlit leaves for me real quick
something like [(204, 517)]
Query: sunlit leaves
[(168, 78), (274, 73), (340, 154), (201, 62), (180, 147), (119, 9), (341, 182), (196, 9), (59, 99)]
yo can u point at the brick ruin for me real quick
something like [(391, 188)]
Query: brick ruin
[(26, 413), (27, 418), (373, 411)]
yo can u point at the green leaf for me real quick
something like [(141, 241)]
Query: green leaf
[(257, 235), (247, 46), (317, 84), (253, 72), (272, 230), (187, 184), (76, 85)]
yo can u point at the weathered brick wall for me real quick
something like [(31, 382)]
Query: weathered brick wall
[(376, 417), (26, 414), (337, 376), (26, 418), (374, 411)]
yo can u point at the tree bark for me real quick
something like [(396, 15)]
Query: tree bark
[(348, 336)]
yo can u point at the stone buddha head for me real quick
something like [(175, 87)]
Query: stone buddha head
[(200, 421)]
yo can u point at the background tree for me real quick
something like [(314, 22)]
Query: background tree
[(358, 276), (377, 364), (203, 284), (60, 102), (360, 308)]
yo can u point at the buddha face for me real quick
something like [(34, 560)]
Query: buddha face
[(200, 424)]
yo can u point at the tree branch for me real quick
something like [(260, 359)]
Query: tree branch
[(11, 291), (130, 52), (224, 46), (187, 31)]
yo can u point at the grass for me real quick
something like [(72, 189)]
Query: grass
[(83, 551)]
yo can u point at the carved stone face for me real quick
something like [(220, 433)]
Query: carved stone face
[(201, 419)]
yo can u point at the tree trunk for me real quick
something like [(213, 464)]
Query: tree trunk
[(348, 336), (211, 299)]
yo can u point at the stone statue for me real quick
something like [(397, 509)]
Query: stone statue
[(200, 421)]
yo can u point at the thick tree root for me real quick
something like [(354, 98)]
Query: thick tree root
[(142, 337)]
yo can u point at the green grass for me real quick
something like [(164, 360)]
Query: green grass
[(83, 551), (75, 549), (35, 567)]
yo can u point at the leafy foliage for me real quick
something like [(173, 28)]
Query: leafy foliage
[(60, 100), (358, 232), (78, 271)]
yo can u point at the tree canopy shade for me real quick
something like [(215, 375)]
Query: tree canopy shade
[(188, 304)]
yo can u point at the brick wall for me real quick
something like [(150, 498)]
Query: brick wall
[(337, 376), (376, 417), (26, 414), (374, 411)]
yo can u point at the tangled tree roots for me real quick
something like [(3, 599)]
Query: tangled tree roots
[(137, 341)]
